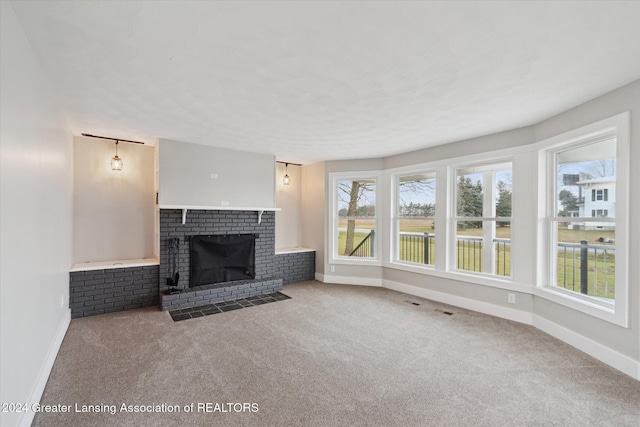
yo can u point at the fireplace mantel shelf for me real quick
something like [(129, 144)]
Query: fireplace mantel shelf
[(185, 208)]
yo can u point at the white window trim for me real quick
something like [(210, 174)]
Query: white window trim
[(444, 208), (394, 220), (452, 243), (461, 276), (334, 258), (615, 312)]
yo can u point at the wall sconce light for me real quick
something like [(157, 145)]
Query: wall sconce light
[(116, 162), (286, 180)]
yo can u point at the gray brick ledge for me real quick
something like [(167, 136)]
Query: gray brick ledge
[(197, 297)]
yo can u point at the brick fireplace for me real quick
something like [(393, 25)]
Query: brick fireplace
[(213, 222), (123, 286)]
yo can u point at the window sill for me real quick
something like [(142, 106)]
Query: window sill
[(356, 261), (594, 307), (484, 280)]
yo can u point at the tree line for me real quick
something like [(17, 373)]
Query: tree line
[(469, 203)]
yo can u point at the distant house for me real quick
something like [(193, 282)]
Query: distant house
[(599, 201)]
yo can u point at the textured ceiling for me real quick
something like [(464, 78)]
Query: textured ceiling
[(311, 81)]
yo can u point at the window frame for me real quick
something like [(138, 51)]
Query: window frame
[(612, 311), (599, 195), (488, 166), (396, 217), (334, 218), (444, 255)]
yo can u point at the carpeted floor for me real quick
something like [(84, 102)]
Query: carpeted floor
[(330, 356)]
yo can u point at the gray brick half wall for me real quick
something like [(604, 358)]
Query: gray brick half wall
[(295, 266), (109, 290)]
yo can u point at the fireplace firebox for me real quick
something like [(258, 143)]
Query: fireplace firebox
[(221, 258)]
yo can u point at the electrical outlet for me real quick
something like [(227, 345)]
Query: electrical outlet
[(214, 176), (511, 298), (224, 203), (333, 268), (62, 301)]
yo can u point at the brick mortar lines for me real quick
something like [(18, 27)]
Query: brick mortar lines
[(196, 298), (111, 290), (205, 222), (296, 267)]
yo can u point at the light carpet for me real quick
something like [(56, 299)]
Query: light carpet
[(331, 355)]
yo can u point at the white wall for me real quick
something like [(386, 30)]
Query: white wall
[(35, 221), (288, 220), (243, 179), (312, 199), (112, 210)]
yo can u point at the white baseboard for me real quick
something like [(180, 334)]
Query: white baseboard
[(604, 354), (45, 371), (470, 304), (592, 348), (349, 280)]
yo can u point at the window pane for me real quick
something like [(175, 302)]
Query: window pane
[(469, 246), (471, 254), (356, 218), (503, 182), (502, 249), (416, 209), (586, 181), (357, 198), (586, 258), (356, 237), (471, 183), (416, 242), (469, 194), (484, 191), (417, 195)]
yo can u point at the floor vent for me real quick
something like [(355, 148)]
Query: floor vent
[(448, 313), (412, 303)]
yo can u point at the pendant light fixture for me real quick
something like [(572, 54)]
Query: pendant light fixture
[(116, 162), (286, 180)]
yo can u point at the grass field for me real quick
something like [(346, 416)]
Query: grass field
[(601, 267), (601, 271), (342, 241)]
